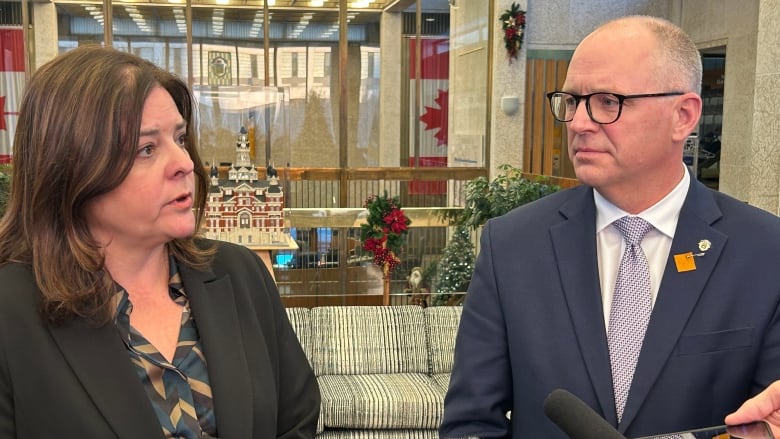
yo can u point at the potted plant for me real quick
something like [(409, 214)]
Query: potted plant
[(484, 199)]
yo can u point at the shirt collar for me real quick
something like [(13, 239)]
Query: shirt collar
[(175, 290), (662, 215)]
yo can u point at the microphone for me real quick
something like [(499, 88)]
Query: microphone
[(576, 418)]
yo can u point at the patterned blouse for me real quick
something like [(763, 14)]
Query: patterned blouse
[(178, 390)]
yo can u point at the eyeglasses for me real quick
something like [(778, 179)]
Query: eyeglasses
[(603, 108)]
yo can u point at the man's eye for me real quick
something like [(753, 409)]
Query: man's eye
[(608, 101)]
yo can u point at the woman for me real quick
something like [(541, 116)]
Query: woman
[(115, 321)]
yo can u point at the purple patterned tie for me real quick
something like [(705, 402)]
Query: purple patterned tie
[(631, 307)]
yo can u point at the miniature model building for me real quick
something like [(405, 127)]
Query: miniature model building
[(243, 209)]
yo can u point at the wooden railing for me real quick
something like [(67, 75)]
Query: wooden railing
[(324, 208)]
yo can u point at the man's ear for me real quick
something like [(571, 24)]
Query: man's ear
[(687, 115)]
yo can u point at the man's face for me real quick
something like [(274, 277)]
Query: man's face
[(637, 150)]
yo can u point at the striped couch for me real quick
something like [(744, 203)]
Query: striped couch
[(382, 371)]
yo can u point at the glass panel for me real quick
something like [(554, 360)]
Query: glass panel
[(79, 23), (469, 79), (426, 90), (228, 112), (711, 123), (433, 114), (12, 86), (364, 150)]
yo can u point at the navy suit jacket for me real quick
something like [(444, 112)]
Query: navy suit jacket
[(533, 321), (76, 381)]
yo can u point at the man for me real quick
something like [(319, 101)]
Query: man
[(540, 315)]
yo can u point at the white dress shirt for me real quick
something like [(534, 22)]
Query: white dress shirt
[(656, 244)]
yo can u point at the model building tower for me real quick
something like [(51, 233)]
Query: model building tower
[(242, 208)]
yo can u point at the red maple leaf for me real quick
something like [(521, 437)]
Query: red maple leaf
[(436, 118)]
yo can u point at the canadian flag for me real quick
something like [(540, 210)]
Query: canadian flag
[(12, 83), (434, 86)]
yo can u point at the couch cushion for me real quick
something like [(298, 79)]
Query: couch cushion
[(442, 381), (368, 340), (386, 401), (442, 326), (300, 319), (380, 434)]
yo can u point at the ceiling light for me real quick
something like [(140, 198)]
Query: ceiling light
[(317, 3)]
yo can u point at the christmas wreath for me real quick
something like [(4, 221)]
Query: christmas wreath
[(513, 24), (384, 231)]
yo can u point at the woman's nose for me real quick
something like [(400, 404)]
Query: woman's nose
[(182, 161)]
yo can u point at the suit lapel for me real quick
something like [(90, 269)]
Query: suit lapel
[(580, 278), (101, 363), (678, 293), (213, 306)]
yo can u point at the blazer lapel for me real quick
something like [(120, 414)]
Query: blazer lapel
[(579, 275), (216, 316), (101, 363), (678, 293)]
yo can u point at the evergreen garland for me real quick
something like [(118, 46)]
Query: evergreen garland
[(513, 25), (384, 232)]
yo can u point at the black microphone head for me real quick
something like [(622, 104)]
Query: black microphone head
[(576, 418)]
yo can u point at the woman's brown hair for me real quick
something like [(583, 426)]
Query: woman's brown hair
[(76, 138)]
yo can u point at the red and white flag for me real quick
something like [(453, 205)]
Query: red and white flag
[(11, 86), (434, 96)]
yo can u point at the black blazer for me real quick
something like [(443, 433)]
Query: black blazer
[(76, 381)]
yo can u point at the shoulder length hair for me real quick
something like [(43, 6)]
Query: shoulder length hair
[(76, 139)]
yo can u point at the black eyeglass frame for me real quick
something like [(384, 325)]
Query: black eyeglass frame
[(620, 98)]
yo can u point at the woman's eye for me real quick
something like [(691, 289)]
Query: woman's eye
[(146, 151)]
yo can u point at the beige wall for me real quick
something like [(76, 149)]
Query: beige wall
[(713, 23), (468, 85), (506, 131), (44, 25), (750, 154), (764, 167), (561, 24), (390, 29)]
